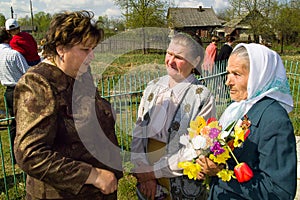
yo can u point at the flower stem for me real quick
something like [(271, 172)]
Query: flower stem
[(230, 129), (232, 154)]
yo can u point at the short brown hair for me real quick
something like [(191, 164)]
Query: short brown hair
[(215, 38), (229, 38), (69, 29)]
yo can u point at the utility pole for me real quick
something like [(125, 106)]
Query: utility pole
[(126, 15), (127, 10), (32, 29), (12, 12)]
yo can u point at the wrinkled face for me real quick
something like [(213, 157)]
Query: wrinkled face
[(77, 59), (237, 78), (177, 65)]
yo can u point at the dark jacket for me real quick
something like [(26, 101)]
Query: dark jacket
[(224, 52), (270, 151), (57, 140)]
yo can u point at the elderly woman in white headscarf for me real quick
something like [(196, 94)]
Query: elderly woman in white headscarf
[(260, 91)]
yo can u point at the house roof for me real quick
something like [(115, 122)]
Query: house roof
[(238, 22), (243, 20), (234, 22), (192, 17)]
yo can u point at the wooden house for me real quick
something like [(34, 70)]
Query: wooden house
[(200, 21), (239, 27), (250, 27)]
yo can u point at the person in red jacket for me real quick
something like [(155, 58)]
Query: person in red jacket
[(210, 57), (23, 42)]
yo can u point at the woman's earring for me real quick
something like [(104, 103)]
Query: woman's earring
[(62, 58)]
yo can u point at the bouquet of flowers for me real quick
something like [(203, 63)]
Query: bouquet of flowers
[(206, 138)]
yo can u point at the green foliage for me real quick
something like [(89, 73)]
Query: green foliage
[(241, 7), (15, 182), (111, 26), (2, 90), (2, 20), (127, 188), (42, 20), (226, 14), (290, 52), (295, 118), (127, 184), (121, 64), (280, 19), (144, 13)]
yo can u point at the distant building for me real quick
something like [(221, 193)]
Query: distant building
[(28, 29), (202, 21), (240, 27)]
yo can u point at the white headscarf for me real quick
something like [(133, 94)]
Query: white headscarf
[(267, 77)]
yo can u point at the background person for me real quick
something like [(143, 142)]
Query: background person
[(12, 66), (65, 130), (166, 109), (259, 88), (222, 57), (226, 49), (23, 42), (211, 52)]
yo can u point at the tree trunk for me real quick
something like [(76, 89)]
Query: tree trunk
[(281, 49)]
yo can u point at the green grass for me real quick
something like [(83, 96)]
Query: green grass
[(127, 184), (12, 175), (116, 64)]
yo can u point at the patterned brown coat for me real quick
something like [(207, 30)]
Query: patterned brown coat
[(57, 140)]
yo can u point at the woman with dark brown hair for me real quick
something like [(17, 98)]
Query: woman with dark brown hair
[(66, 141)]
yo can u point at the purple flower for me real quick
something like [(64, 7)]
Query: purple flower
[(216, 148), (213, 133)]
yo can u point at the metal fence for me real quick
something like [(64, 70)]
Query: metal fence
[(124, 93)]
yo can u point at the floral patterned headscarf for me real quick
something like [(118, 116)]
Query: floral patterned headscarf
[(267, 77)]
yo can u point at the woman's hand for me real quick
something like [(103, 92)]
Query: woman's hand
[(147, 182), (144, 172), (148, 188), (208, 167), (103, 179)]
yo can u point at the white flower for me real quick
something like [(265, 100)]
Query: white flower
[(187, 153), (199, 142), (223, 135), (184, 139)]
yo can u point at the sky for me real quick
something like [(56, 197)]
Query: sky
[(22, 9)]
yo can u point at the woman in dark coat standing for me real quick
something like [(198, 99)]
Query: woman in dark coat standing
[(226, 49), (260, 90)]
